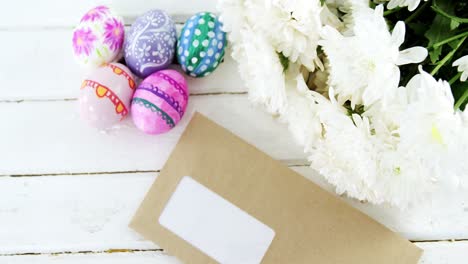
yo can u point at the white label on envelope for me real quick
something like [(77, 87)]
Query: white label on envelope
[(215, 226)]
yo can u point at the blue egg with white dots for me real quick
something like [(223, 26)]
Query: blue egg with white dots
[(201, 45)]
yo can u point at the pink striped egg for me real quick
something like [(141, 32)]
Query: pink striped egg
[(159, 102), (105, 95)]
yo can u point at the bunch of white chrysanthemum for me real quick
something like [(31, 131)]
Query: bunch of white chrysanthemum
[(332, 72)]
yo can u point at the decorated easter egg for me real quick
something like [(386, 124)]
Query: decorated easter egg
[(150, 43), (98, 38), (106, 94), (201, 44), (160, 101)]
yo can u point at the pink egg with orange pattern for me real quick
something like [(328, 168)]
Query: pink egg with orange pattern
[(105, 95), (159, 102)]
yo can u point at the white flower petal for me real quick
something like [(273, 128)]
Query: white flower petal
[(398, 34), (411, 4), (462, 64), (412, 55)]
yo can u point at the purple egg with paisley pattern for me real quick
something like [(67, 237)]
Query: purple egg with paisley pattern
[(150, 43), (159, 102)]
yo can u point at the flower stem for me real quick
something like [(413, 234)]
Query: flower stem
[(450, 39), (455, 78), (438, 10), (417, 13), (391, 11), (461, 100), (447, 57)]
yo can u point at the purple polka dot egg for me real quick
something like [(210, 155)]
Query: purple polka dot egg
[(150, 43), (159, 102), (98, 38)]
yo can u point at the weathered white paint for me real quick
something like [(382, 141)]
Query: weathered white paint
[(49, 137), (90, 258), (66, 13), (47, 214), (434, 253), (39, 64), (91, 212), (444, 252)]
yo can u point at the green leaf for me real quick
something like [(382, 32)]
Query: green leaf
[(284, 61), (454, 24), (441, 8), (322, 2), (440, 30), (460, 91), (418, 28), (448, 57), (434, 54)]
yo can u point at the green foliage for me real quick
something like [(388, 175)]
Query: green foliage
[(442, 27), (284, 61), (358, 109)]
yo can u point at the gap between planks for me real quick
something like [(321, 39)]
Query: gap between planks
[(75, 99), (124, 250), (108, 251), (289, 163), (179, 20)]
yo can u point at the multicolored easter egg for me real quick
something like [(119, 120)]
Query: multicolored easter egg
[(201, 44), (98, 38), (105, 95), (160, 101), (150, 45)]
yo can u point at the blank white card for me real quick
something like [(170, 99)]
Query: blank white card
[(215, 226)]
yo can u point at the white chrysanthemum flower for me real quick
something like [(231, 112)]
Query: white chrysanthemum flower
[(411, 4), (431, 129), (301, 113), (293, 27), (408, 136), (261, 70), (331, 18), (430, 143), (232, 16), (364, 67), (345, 154), (462, 64), (345, 10)]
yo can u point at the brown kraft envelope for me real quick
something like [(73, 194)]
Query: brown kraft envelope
[(310, 224)]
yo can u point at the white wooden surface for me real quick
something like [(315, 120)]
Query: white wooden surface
[(67, 192)]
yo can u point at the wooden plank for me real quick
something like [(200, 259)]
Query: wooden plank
[(39, 64), (434, 253), (49, 137), (60, 13), (89, 258), (91, 212), (70, 213), (442, 216), (444, 252)]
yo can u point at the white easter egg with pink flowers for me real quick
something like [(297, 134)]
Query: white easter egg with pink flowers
[(98, 38)]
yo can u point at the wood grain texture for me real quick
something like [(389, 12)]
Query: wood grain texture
[(39, 64), (46, 214), (49, 137), (97, 258), (66, 13), (444, 252), (434, 253)]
